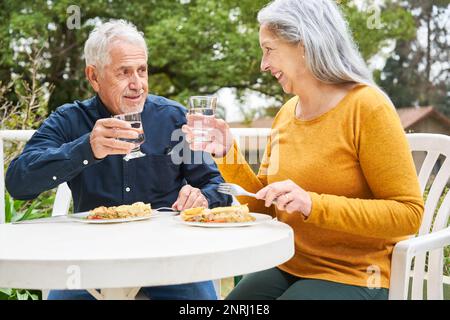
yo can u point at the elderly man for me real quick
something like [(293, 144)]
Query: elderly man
[(79, 144)]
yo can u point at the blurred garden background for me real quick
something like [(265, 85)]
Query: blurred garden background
[(202, 46), (206, 47)]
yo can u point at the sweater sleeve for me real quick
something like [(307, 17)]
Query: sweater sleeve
[(235, 169), (397, 206)]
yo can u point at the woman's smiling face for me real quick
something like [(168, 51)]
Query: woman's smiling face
[(284, 60)]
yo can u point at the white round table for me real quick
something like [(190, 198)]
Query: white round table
[(117, 257)]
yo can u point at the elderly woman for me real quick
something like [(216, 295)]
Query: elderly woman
[(337, 168)]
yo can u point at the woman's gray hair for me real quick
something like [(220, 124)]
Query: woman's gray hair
[(97, 46), (330, 52)]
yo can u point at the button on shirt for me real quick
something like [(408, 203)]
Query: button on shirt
[(60, 151)]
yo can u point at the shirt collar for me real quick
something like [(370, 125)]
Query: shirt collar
[(102, 110)]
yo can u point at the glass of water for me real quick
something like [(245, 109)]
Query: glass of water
[(202, 109), (136, 123)]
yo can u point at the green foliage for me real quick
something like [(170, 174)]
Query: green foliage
[(30, 107), (395, 24), (19, 210), (196, 46), (416, 73), (19, 294), (203, 49)]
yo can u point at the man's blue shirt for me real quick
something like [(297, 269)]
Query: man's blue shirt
[(60, 151)]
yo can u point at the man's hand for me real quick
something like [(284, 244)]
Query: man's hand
[(190, 197), (105, 134)]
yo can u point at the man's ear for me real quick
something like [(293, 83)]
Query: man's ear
[(92, 75)]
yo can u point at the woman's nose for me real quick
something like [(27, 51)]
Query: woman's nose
[(264, 65)]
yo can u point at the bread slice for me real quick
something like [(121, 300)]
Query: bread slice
[(238, 213), (137, 209)]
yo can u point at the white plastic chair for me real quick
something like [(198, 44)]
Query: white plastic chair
[(434, 234), (63, 199), (430, 238)]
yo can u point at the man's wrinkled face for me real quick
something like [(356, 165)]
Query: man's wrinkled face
[(123, 83)]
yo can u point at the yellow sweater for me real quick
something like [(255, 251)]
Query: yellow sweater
[(356, 164)]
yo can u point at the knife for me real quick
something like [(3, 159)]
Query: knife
[(63, 218)]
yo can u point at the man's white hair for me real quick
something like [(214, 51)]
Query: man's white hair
[(330, 52), (97, 46)]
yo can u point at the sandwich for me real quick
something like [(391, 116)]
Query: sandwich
[(238, 213), (137, 209)]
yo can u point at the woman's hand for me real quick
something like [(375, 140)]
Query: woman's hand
[(288, 195), (219, 135)]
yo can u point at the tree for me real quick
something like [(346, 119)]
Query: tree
[(195, 46), (43, 25), (375, 25), (222, 50), (418, 71)]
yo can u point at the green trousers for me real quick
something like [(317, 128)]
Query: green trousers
[(274, 284)]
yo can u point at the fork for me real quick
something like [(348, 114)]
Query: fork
[(167, 210), (234, 190)]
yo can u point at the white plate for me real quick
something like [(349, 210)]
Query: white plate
[(260, 218), (81, 217)]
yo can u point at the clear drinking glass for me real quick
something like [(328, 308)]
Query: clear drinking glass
[(135, 120), (205, 106)]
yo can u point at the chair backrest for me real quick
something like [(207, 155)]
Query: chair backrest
[(63, 193), (63, 199), (435, 146)]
